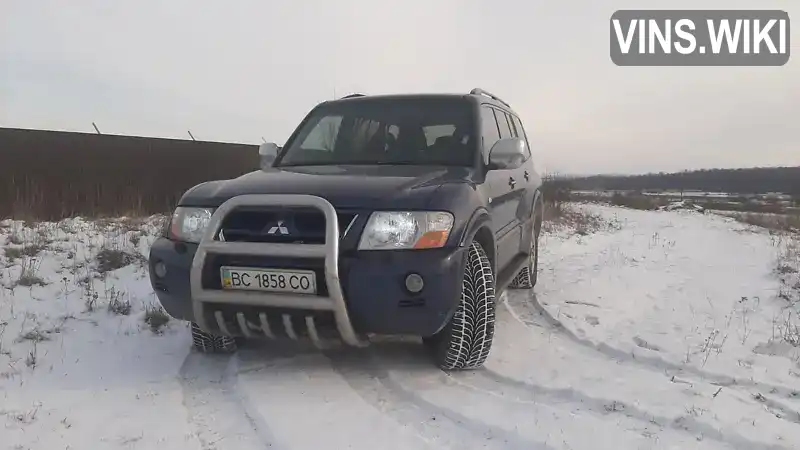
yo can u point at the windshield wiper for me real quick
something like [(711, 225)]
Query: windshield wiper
[(367, 163), (397, 163)]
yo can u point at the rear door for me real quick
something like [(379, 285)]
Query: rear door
[(529, 177), (516, 178), (500, 189)]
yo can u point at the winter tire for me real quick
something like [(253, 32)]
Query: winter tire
[(466, 340), (211, 343), (526, 278)]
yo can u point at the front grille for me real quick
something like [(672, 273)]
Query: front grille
[(280, 225)]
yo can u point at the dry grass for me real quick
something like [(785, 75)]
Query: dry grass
[(13, 253), (67, 267), (787, 267), (772, 222), (562, 215), (637, 202), (119, 305), (30, 251), (38, 335), (155, 317), (786, 327), (29, 274), (109, 259)]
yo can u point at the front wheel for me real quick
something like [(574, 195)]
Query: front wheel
[(465, 342)]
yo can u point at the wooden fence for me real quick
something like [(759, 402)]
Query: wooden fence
[(49, 175)]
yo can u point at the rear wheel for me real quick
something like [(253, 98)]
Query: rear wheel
[(526, 278), (465, 342), (211, 343)]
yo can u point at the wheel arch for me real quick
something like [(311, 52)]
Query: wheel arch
[(484, 237), (538, 209), (479, 229)]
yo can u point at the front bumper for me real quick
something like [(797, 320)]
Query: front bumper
[(360, 291)]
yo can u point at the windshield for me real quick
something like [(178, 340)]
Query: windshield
[(410, 131)]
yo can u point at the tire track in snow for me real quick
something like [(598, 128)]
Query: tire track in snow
[(221, 416), (531, 397), (653, 363), (495, 385), (364, 374), (488, 380)]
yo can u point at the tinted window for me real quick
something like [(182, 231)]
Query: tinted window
[(386, 131), (366, 132), (434, 132), (512, 125), (489, 130), (521, 134), (323, 136), (518, 126), (502, 121), (394, 131)]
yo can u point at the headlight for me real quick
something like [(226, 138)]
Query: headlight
[(406, 230), (189, 224)]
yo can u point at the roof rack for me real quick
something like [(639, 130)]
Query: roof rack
[(479, 91), (353, 96)]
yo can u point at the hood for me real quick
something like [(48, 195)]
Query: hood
[(352, 187)]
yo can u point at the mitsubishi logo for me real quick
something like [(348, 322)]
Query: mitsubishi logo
[(279, 228)]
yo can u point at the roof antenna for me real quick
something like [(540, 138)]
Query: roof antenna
[(190, 135), (96, 129)]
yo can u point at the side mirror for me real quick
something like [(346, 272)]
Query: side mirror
[(267, 152), (507, 154)]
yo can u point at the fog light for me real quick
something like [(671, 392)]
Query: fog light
[(160, 269), (414, 283)]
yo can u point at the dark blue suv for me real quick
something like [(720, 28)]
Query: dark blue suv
[(389, 214)]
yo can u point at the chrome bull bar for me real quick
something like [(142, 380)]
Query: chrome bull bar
[(334, 302)]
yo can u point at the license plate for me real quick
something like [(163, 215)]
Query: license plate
[(269, 280)]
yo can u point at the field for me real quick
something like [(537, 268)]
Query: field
[(648, 330), (716, 201)]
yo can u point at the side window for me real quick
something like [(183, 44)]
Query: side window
[(489, 131), (514, 132), (521, 134), (323, 135), (502, 121)]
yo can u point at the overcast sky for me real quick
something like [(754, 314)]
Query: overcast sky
[(238, 70)]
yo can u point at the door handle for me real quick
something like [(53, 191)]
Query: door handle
[(511, 182), (527, 176)]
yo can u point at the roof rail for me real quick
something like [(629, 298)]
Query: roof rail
[(353, 96), (479, 91)]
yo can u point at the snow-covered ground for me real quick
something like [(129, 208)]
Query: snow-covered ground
[(658, 330)]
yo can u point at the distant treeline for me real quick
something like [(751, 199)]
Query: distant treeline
[(51, 175), (735, 181)]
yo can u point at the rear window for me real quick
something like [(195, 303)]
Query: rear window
[(414, 131)]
